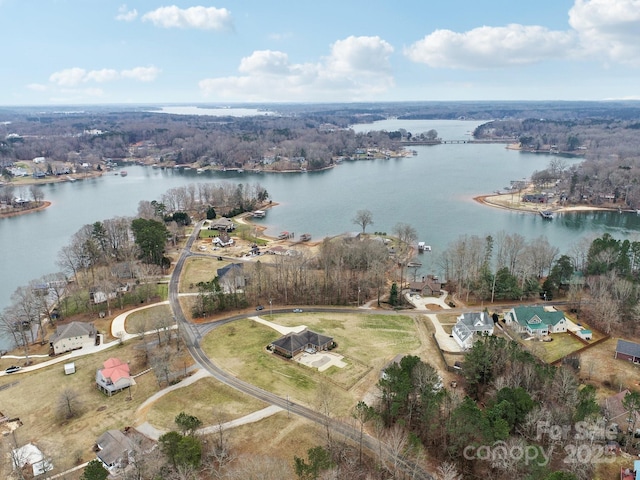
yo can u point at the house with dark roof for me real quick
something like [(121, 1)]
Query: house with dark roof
[(536, 321), (294, 343), (626, 350), (72, 336), (114, 376), (231, 277), (470, 326), (222, 224), (429, 286)]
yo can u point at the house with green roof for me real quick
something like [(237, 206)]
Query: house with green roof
[(536, 321)]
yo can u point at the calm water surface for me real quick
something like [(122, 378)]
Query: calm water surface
[(432, 191)]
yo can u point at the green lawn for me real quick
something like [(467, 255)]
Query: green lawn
[(209, 400), (563, 344), (367, 343)]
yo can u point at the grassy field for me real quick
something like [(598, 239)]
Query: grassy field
[(199, 269), (562, 345), (367, 342), (209, 400), (147, 319)]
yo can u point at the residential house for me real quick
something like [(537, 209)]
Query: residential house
[(72, 336), (222, 224), (429, 286), (536, 321), (470, 326), (626, 350), (114, 376), (231, 277), (114, 450), (294, 343)]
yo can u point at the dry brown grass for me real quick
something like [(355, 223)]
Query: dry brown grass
[(198, 269), (598, 366), (35, 397)]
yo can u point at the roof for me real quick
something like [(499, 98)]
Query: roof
[(628, 348), (113, 445), (524, 316), (73, 329), (221, 272), (295, 341), (115, 369)]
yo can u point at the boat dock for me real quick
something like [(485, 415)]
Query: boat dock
[(546, 214)]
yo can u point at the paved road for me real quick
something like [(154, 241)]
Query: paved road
[(193, 335)]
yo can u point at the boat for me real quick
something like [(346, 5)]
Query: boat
[(123, 173), (259, 214), (546, 214), (423, 248), (200, 170), (71, 179), (305, 237), (414, 264)]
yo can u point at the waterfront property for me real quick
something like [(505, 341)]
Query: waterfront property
[(626, 350), (429, 286), (72, 336), (294, 343), (114, 376), (223, 224), (470, 326), (536, 321)]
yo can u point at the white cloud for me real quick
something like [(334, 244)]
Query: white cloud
[(487, 47), (100, 76), (37, 87), (69, 77), (126, 15), (203, 18), (72, 77), (357, 68), (608, 28), (142, 74)]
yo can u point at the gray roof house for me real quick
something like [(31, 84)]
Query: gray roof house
[(626, 350), (222, 224), (114, 449), (293, 343), (72, 336), (231, 277), (469, 326)]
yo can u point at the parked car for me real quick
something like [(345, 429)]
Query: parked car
[(259, 307), (12, 369), (297, 310)]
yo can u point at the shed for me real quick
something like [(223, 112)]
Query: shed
[(69, 368)]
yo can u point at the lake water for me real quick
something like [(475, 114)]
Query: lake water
[(432, 191)]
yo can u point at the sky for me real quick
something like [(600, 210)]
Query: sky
[(83, 52)]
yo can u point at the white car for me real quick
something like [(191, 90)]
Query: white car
[(297, 310)]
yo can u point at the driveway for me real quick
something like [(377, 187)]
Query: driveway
[(446, 343)]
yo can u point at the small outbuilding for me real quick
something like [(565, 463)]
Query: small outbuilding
[(69, 368)]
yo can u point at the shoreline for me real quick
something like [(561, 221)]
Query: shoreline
[(504, 201), (45, 204)]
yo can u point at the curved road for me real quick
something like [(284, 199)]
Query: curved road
[(193, 335)]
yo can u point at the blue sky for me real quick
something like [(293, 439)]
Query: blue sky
[(230, 51)]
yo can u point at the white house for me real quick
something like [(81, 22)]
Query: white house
[(72, 336), (471, 325), (114, 377)]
